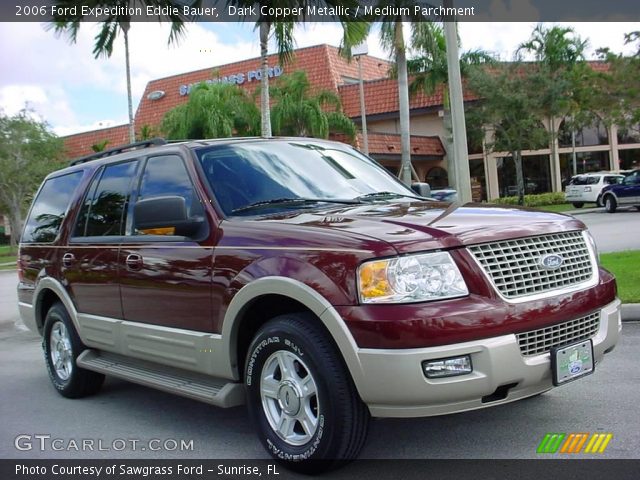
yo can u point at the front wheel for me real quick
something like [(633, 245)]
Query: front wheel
[(62, 346), (610, 204), (301, 397)]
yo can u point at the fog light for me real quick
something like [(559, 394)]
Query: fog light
[(447, 367)]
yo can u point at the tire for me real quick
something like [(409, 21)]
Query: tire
[(62, 346), (578, 204), (599, 201), (610, 204), (282, 403)]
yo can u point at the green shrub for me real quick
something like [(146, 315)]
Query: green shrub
[(538, 200)]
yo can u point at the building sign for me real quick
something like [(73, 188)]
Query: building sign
[(236, 79)]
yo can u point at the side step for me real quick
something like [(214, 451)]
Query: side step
[(215, 391)]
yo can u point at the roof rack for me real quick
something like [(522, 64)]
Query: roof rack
[(114, 151)]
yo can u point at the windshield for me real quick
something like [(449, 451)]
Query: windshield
[(247, 174)]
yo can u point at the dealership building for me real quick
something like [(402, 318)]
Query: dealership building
[(492, 173)]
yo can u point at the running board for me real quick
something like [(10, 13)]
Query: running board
[(215, 391)]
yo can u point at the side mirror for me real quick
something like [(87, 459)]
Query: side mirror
[(421, 188), (165, 213)]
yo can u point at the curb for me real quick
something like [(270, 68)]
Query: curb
[(630, 312)]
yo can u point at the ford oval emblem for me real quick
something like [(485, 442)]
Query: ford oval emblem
[(551, 261)]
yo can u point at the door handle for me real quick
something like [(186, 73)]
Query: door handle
[(68, 259), (134, 261)]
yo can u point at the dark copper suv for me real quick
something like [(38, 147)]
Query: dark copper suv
[(299, 277)]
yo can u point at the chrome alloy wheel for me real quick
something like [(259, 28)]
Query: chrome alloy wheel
[(60, 351), (289, 397)]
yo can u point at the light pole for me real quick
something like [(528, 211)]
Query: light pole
[(460, 160), (359, 51)]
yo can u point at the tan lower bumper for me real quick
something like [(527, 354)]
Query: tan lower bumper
[(392, 383)]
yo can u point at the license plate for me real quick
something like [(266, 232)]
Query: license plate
[(571, 362)]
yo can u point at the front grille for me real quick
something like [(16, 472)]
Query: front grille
[(540, 341), (515, 266)]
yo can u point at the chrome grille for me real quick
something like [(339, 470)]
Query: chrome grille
[(515, 269), (540, 341)]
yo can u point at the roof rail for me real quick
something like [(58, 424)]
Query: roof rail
[(114, 151)]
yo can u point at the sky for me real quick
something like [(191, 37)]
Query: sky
[(73, 92)]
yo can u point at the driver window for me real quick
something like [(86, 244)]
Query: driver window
[(167, 176)]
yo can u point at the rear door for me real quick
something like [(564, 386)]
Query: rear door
[(629, 191), (165, 279)]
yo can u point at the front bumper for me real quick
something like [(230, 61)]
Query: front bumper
[(392, 383)]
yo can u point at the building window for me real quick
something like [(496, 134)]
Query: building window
[(629, 159), (536, 171), (588, 136), (437, 177), (585, 162), (629, 135)]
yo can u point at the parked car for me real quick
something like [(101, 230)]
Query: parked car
[(625, 193), (587, 187), (299, 277)]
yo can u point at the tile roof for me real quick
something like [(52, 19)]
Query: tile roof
[(389, 144), (323, 64)]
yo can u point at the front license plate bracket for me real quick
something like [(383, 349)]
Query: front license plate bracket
[(571, 362)]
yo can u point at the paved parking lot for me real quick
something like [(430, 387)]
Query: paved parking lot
[(614, 231)]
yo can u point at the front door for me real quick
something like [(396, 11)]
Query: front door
[(165, 280)]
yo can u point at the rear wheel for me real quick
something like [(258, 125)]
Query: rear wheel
[(301, 397), (610, 204), (578, 204), (62, 346)]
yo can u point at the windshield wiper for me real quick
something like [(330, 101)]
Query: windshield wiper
[(292, 202), (384, 195)]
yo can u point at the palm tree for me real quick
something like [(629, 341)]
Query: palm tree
[(392, 40), (214, 110), (429, 69), (298, 112), (558, 50), (283, 27), (69, 24)]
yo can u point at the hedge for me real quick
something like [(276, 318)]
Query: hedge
[(538, 200)]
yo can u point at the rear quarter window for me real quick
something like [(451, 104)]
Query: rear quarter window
[(50, 207)]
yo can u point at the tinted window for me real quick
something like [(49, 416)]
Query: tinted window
[(612, 180), (50, 207), (104, 209), (166, 176), (584, 180)]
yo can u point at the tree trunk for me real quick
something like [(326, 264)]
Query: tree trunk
[(132, 129), (15, 222), (403, 103), (517, 158), (264, 80)]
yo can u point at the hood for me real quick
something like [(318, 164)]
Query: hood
[(419, 226)]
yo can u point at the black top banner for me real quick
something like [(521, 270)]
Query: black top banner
[(319, 11)]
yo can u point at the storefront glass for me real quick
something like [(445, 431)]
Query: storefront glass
[(629, 159), (478, 180), (586, 137), (536, 170), (585, 162)]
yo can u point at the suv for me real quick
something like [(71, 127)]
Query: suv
[(625, 193), (299, 277), (587, 188)]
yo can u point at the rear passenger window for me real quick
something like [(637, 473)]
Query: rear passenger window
[(105, 207), (50, 207)]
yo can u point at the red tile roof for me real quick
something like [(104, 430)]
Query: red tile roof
[(389, 144), (323, 64)]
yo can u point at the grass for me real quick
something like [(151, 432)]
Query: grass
[(626, 267), (558, 208), (7, 254)]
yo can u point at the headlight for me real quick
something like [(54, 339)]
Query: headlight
[(412, 278)]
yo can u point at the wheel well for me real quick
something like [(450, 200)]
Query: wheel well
[(256, 314), (46, 299)]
